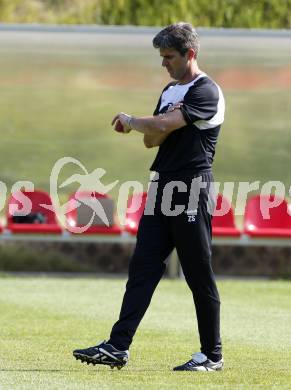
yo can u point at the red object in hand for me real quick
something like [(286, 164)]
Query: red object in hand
[(119, 126)]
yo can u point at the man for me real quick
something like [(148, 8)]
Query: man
[(185, 126)]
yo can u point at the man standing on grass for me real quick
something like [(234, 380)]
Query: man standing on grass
[(185, 126)]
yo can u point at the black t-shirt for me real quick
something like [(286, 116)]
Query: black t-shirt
[(191, 148)]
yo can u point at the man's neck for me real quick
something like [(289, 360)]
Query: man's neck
[(190, 75)]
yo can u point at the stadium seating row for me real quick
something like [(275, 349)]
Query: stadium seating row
[(259, 219)]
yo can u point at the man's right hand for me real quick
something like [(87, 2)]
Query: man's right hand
[(175, 106)]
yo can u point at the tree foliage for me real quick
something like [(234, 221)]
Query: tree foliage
[(203, 13)]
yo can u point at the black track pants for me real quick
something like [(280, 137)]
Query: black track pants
[(158, 234)]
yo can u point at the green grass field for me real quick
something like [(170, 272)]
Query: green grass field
[(60, 91), (43, 319)]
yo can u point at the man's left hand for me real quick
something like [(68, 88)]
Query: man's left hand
[(121, 123)]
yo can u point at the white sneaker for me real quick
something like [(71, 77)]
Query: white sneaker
[(200, 362)]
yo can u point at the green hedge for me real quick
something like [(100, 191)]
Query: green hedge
[(18, 258), (203, 13)]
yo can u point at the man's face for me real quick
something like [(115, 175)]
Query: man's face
[(175, 63)]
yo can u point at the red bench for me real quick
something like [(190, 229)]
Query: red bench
[(257, 223), (34, 201)]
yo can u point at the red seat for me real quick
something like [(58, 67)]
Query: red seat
[(18, 201), (79, 210), (224, 225), (262, 221), (137, 203)]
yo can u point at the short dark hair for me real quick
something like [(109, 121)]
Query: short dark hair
[(179, 36)]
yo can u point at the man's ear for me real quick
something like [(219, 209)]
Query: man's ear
[(191, 54)]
